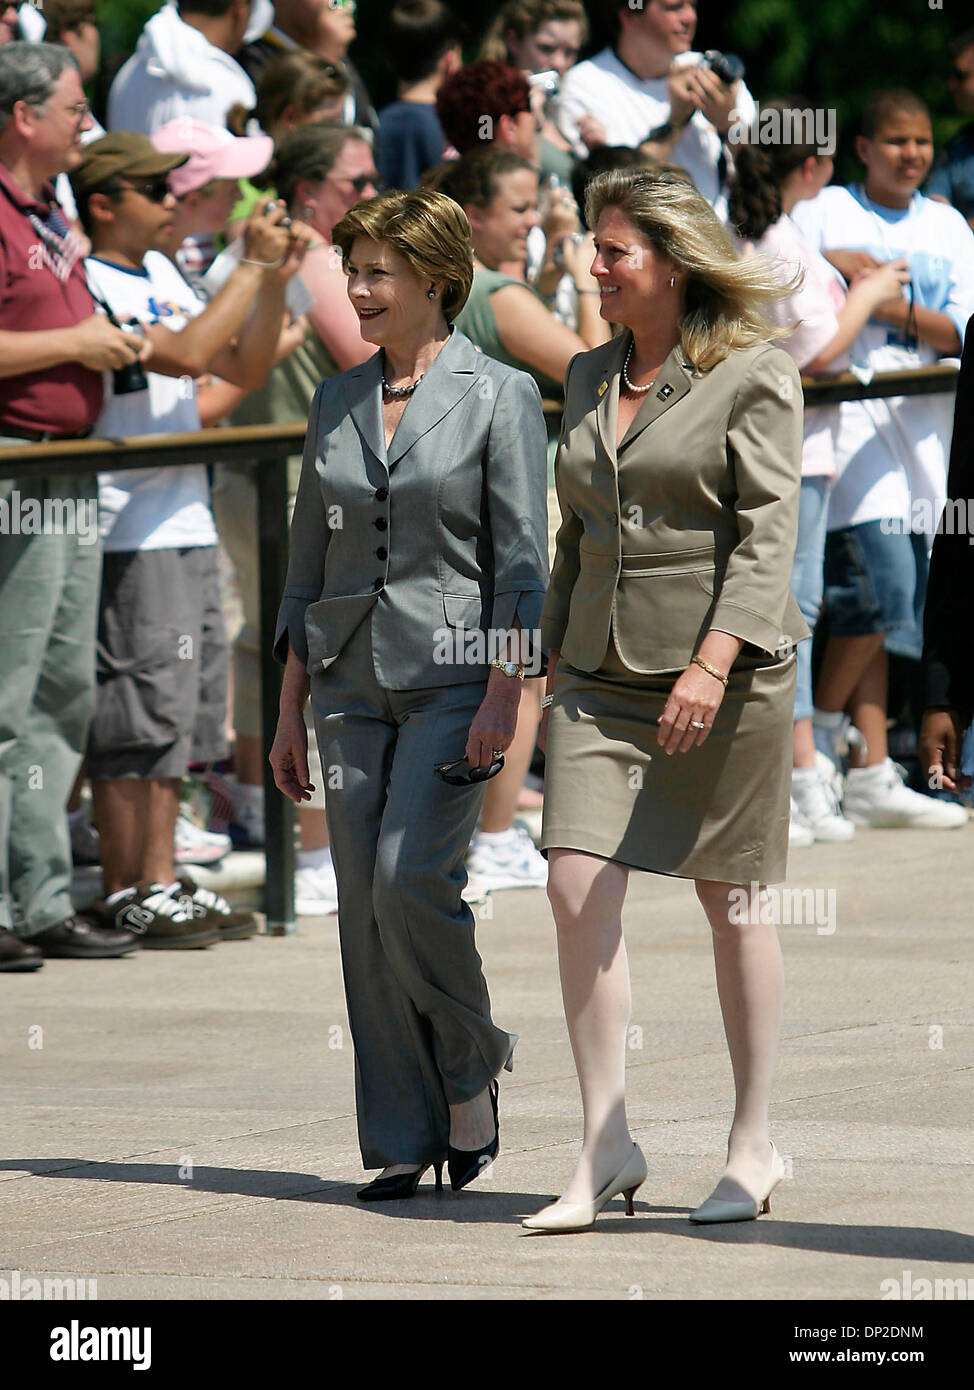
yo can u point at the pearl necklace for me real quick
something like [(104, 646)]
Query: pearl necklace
[(637, 390)]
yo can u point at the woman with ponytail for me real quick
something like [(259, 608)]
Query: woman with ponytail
[(826, 317)]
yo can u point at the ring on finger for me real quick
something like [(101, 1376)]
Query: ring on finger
[(697, 724)]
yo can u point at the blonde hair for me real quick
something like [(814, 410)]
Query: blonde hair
[(525, 17), (725, 295), (429, 230)]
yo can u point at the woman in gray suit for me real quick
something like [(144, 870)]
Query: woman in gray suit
[(672, 633), (414, 589)]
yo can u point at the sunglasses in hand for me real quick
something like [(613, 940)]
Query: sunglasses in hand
[(461, 774)]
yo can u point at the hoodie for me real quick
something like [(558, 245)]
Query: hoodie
[(175, 72)]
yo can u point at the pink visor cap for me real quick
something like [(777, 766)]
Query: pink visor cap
[(213, 153)]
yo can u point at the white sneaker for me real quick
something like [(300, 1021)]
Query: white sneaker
[(315, 890), (818, 805), (876, 796), (476, 890), (799, 834), (508, 862), (192, 845)]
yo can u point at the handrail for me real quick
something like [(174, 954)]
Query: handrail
[(268, 447)]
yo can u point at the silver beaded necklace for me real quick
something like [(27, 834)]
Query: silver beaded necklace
[(637, 390), (401, 391)]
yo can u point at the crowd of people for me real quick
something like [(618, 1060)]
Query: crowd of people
[(181, 260)]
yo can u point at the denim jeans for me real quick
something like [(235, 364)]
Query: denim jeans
[(807, 576), (49, 584)]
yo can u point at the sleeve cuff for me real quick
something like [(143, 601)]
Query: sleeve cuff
[(525, 605), (290, 627), (750, 627)]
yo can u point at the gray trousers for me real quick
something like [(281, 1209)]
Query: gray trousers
[(48, 609), (418, 1006)]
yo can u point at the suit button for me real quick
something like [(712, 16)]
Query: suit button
[(381, 493), (378, 585), (381, 553), (381, 524), (613, 518)]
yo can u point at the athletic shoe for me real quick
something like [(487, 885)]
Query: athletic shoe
[(818, 805), (315, 890), (510, 862), (876, 796), (191, 845), (475, 890), (799, 834), (213, 910), (162, 922)]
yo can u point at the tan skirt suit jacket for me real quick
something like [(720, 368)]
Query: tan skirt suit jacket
[(690, 525)]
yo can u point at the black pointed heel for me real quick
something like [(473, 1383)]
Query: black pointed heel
[(466, 1164), (400, 1185)]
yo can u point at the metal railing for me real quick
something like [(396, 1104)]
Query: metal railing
[(268, 447)]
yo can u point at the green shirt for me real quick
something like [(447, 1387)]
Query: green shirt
[(476, 320)]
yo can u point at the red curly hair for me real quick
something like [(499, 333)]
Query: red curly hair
[(485, 88)]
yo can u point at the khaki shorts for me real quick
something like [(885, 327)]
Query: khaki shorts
[(161, 665)]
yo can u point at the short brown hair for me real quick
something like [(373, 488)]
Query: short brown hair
[(891, 101), (429, 230), (64, 16)]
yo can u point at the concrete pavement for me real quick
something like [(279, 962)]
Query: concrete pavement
[(180, 1125)]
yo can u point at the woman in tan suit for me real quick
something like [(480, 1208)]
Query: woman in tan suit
[(672, 633)]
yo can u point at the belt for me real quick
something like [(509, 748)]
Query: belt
[(42, 436)]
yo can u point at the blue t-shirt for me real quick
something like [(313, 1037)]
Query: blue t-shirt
[(953, 173), (411, 140)]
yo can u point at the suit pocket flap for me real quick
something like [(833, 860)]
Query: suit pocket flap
[(462, 610)]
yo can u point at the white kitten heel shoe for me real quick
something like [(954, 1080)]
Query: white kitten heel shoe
[(720, 1209), (580, 1216)]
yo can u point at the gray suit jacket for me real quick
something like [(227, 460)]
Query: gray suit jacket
[(691, 525), (445, 533)]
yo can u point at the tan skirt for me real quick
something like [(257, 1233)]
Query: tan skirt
[(718, 812)]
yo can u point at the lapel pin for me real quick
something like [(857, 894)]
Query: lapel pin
[(664, 391), (603, 387)]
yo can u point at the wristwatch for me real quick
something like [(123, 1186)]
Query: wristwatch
[(664, 131), (510, 668)]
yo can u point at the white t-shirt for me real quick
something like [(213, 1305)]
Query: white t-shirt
[(630, 107), (815, 305), (892, 454), (151, 508), (176, 71)]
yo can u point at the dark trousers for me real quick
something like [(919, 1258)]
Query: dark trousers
[(417, 1000)]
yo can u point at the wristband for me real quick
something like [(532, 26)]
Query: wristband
[(264, 265), (711, 670)]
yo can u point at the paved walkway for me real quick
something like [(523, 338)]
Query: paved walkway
[(181, 1125)]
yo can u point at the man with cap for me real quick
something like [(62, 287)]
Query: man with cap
[(161, 652), (53, 349)]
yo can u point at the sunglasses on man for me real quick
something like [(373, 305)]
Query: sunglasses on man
[(156, 190)]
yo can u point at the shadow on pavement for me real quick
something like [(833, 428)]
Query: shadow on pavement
[(486, 1204)]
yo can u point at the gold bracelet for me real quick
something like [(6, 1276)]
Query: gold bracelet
[(711, 670)]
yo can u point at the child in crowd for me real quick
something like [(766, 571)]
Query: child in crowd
[(891, 454), (770, 181)]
